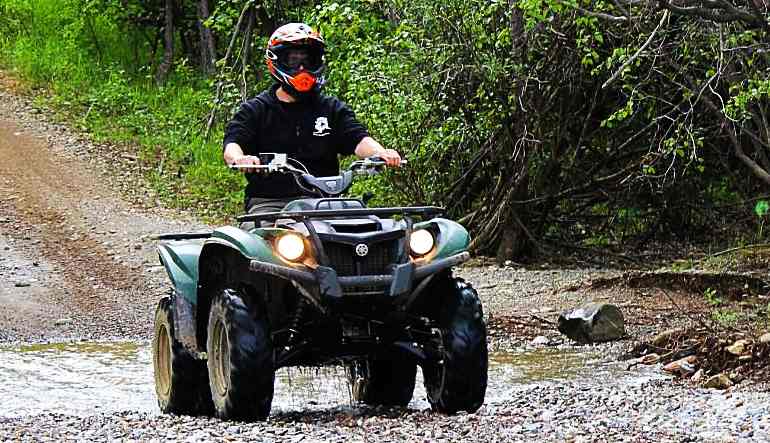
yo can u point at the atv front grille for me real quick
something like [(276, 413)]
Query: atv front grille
[(343, 258)]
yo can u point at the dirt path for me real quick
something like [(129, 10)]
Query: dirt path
[(75, 260)]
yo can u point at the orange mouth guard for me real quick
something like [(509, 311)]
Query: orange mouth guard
[(303, 82)]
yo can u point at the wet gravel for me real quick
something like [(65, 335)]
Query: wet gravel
[(125, 212), (568, 411)]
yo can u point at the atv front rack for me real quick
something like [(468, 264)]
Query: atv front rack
[(422, 211)]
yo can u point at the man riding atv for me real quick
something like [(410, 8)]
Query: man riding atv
[(294, 118), (318, 278)]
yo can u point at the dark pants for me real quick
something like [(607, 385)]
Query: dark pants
[(259, 205)]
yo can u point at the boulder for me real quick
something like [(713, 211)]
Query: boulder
[(593, 323)]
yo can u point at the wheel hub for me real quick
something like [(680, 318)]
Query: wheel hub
[(163, 361), (221, 360)]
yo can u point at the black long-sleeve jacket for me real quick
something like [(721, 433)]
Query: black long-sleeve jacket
[(314, 132)]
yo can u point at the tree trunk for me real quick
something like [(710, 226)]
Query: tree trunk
[(207, 46), (246, 54), (515, 240), (168, 44)]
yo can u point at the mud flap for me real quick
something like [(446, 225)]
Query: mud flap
[(402, 279), (184, 321), (328, 284)]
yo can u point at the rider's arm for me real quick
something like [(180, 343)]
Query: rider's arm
[(233, 152), (352, 137), (369, 147), (240, 134)]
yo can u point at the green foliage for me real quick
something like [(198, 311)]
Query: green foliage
[(712, 297), (743, 95), (761, 208), (720, 191), (685, 265), (620, 115), (725, 317)]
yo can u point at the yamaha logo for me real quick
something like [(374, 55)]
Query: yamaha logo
[(362, 249)]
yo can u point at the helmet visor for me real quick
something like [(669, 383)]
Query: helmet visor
[(294, 58)]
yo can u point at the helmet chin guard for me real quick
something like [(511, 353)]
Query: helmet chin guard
[(303, 82)]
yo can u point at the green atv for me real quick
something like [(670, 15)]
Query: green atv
[(325, 281)]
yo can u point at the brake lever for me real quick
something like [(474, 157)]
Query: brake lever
[(370, 165)]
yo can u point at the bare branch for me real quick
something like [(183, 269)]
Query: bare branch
[(212, 115), (622, 9), (719, 11), (639, 51), (602, 15), (757, 170)]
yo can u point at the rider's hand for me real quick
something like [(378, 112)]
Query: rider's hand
[(391, 156), (247, 160)]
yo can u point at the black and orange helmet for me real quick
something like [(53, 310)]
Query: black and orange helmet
[(295, 58)]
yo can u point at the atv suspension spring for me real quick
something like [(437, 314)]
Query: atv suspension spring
[(296, 320)]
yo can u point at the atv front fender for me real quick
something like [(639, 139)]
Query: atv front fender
[(452, 237), (248, 245)]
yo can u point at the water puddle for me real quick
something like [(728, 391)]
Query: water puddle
[(76, 378), (87, 378)]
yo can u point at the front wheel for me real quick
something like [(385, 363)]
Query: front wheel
[(181, 380), (383, 381), (240, 360), (459, 381)]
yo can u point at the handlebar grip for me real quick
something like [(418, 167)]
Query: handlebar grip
[(238, 167), (244, 166)]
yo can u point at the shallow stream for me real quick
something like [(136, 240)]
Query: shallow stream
[(85, 378)]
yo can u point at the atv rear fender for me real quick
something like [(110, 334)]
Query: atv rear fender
[(181, 262)]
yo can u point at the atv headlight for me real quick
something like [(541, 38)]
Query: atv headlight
[(291, 246), (421, 242)]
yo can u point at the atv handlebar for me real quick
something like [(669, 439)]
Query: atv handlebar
[(308, 183), (280, 163)]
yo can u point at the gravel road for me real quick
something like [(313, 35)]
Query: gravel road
[(76, 265)]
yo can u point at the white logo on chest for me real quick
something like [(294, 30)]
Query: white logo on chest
[(322, 127)]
